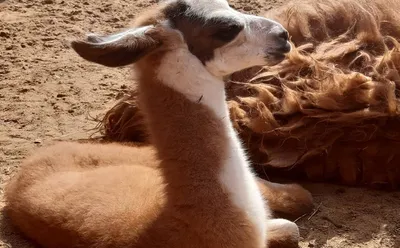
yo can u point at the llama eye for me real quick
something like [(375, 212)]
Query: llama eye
[(225, 29), (228, 33)]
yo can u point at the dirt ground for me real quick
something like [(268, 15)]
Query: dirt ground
[(48, 93)]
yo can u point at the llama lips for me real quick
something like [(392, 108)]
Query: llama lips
[(276, 57), (279, 52), (285, 48)]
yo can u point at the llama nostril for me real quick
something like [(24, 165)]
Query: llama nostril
[(283, 45), (284, 35)]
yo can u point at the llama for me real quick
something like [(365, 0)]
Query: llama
[(194, 187)]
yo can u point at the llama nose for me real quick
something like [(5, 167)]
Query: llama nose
[(283, 41), (283, 35)]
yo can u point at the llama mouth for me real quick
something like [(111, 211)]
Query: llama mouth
[(279, 53), (275, 57)]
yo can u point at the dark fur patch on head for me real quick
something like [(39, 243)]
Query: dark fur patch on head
[(202, 35)]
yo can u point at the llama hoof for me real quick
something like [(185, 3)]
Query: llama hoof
[(282, 234)]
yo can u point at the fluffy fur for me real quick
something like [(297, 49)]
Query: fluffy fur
[(194, 186), (329, 112)]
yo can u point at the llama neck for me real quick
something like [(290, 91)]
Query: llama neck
[(191, 129), (186, 108)]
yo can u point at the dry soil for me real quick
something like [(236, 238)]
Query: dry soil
[(48, 93)]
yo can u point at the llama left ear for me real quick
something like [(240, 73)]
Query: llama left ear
[(118, 49)]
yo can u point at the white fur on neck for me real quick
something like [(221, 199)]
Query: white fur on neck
[(184, 73)]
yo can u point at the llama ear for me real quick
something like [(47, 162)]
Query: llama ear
[(118, 49)]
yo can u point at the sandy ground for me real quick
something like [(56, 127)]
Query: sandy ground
[(48, 93)]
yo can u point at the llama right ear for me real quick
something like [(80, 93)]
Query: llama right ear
[(118, 49)]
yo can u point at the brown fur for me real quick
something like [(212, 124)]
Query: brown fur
[(200, 132), (335, 94), (332, 98), (83, 159), (286, 200), (92, 195)]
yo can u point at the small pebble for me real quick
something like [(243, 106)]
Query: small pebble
[(23, 90), (5, 34), (247, 8), (59, 95)]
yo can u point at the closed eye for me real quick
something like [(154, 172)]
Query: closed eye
[(228, 33)]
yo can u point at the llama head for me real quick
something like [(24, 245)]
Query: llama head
[(223, 39)]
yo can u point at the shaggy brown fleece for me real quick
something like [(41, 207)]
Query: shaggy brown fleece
[(330, 111)]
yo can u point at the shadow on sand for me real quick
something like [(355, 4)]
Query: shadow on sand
[(11, 236), (355, 216)]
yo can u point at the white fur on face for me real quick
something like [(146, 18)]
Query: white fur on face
[(251, 47), (207, 8)]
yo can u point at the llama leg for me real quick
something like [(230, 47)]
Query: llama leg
[(282, 234), (286, 200)]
